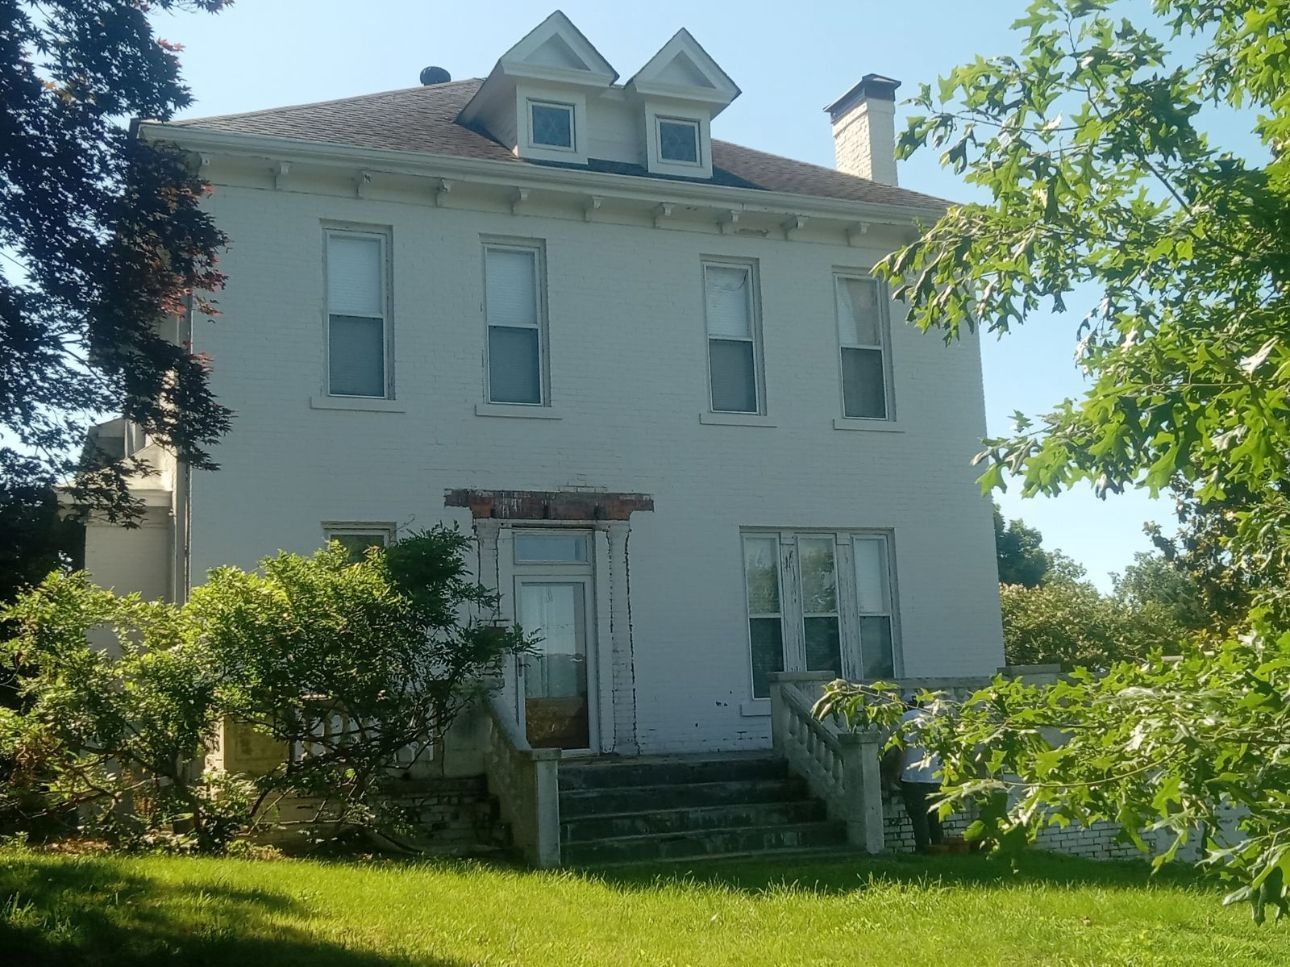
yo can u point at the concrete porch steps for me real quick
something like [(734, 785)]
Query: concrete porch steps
[(686, 807)]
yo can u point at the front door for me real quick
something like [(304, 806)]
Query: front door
[(557, 693)]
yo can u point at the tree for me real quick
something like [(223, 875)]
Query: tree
[(102, 241), (384, 652), (1022, 558), (1153, 583), (1097, 176)]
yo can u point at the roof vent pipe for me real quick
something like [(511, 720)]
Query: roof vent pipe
[(435, 75)]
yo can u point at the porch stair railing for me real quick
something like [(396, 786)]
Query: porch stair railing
[(841, 768), (526, 783)]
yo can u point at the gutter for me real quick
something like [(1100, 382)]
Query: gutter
[(513, 174)]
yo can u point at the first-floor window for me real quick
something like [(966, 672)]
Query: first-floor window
[(356, 539), (841, 621), (765, 617)]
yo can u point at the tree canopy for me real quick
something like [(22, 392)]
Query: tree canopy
[(102, 241), (1097, 176)]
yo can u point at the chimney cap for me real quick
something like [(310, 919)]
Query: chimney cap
[(875, 87)]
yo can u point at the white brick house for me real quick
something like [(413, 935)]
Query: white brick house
[(648, 368)]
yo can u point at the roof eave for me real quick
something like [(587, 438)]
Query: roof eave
[(414, 163)]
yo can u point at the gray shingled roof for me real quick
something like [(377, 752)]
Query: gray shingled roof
[(425, 119)]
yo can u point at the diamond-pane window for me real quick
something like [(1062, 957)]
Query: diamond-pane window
[(678, 141), (552, 125)]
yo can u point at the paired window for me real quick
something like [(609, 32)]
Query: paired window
[(862, 330), (551, 125), (839, 617), (357, 314), (734, 357), (357, 538), (678, 141), (514, 307)]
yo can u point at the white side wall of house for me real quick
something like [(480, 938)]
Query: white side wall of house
[(628, 378)]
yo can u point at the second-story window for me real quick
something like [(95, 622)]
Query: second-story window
[(730, 307), (513, 305), (357, 314), (551, 125), (862, 334)]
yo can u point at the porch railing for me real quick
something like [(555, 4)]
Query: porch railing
[(841, 768), (526, 782)]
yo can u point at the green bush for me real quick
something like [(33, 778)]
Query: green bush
[(387, 649)]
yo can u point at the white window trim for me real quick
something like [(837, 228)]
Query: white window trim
[(529, 93), (844, 422), (792, 614), (693, 123), (570, 108), (493, 407), (671, 111), (759, 379), (385, 529), (383, 235)]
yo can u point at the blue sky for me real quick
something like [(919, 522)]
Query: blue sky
[(789, 59)]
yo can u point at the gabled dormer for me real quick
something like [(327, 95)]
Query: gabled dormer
[(681, 89), (535, 99), (553, 98)]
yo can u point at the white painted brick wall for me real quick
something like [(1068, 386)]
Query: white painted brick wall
[(629, 381)]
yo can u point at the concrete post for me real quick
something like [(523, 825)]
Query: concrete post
[(863, 785), (546, 807)]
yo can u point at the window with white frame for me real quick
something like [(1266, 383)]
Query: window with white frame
[(357, 314), (873, 599), (514, 307), (862, 329), (765, 609), (841, 621), (678, 141), (551, 125), (734, 357), (358, 538)]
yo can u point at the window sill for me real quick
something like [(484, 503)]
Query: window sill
[(517, 411), (736, 419), (371, 405), (756, 708), (873, 426)]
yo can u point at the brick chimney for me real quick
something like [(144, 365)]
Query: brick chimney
[(864, 129)]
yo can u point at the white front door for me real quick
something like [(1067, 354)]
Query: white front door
[(557, 682)]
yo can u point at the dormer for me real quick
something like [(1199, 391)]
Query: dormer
[(680, 90), (535, 100)]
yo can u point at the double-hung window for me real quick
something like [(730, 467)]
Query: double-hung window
[(841, 620), (357, 314), (734, 358), (862, 330), (765, 609), (514, 307), (873, 599)]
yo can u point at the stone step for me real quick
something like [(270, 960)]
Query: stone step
[(589, 802), (664, 770), (705, 843), (656, 821)]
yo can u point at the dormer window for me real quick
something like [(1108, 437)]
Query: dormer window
[(678, 141), (551, 125)]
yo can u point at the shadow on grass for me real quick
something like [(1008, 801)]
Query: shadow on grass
[(90, 912), (849, 873)]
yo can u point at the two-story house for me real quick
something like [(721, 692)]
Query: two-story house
[(649, 369)]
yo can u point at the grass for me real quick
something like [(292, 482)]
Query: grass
[(961, 910)]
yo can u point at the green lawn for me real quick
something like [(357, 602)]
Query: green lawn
[(960, 910)]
